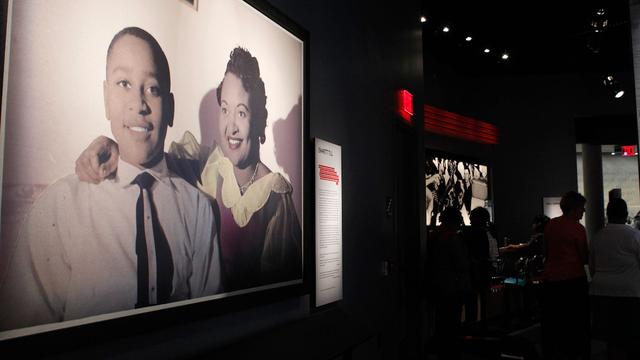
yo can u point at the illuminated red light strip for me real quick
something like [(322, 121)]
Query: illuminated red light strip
[(451, 124), (455, 128), (459, 120), (462, 128), (456, 134)]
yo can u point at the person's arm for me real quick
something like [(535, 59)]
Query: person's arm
[(435, 178), (582, 247), (592, 263), (98, 161), (34, 290), (636, 244), (282, 252)]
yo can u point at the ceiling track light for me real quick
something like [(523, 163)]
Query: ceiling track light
[(600, 21), (613, 86), (447, 27)]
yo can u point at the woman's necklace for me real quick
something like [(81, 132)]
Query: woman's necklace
[(244, 187)]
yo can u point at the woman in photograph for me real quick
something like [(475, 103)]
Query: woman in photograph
[(260, 234)]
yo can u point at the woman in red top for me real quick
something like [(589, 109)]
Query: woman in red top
[(565, 303)]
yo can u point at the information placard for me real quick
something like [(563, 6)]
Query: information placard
[(328, 174)]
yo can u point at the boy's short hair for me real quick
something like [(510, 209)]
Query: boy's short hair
[(572, 200), (162, 64)]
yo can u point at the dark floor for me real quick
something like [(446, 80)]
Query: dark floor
[(520, 340)]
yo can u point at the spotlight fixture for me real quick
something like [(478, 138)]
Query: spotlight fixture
[(468, 38), (486, 50), (613, 86), (446, 29), (505, 56), (423, 19), (599, 22)]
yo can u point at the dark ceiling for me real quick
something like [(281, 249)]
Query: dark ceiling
[(541, 37)]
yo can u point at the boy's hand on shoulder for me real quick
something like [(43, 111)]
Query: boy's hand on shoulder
[(98, 161)]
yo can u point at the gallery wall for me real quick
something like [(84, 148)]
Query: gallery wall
[(618, 172), (359, 56), (536, 115)]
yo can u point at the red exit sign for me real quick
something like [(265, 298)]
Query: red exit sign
[(628, 150), (404, 105)]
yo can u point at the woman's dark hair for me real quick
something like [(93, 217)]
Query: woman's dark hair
[(245, 66), (572, 200)]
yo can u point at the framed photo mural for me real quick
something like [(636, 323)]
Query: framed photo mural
[(453, 180), (152, 160)]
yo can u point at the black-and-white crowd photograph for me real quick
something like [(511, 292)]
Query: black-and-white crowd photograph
[(449, 182)]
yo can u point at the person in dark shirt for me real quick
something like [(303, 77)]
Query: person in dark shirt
[(450, 269), (477, 242)]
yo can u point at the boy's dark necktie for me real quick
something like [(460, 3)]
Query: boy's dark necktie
[(164, 261)]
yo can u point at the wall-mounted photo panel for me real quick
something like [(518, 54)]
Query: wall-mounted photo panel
[(451, 180), (191, 189)]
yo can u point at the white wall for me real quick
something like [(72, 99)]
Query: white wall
[(618, 172), (55, 103)]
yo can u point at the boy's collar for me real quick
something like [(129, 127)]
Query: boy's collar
[(126, 172)]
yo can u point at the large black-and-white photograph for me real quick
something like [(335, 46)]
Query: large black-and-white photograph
[(152, 158), (454, 183)]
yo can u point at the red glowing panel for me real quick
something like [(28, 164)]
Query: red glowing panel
[(447, 123), (404, 104)]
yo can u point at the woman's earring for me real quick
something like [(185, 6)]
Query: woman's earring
[(261, 138)]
